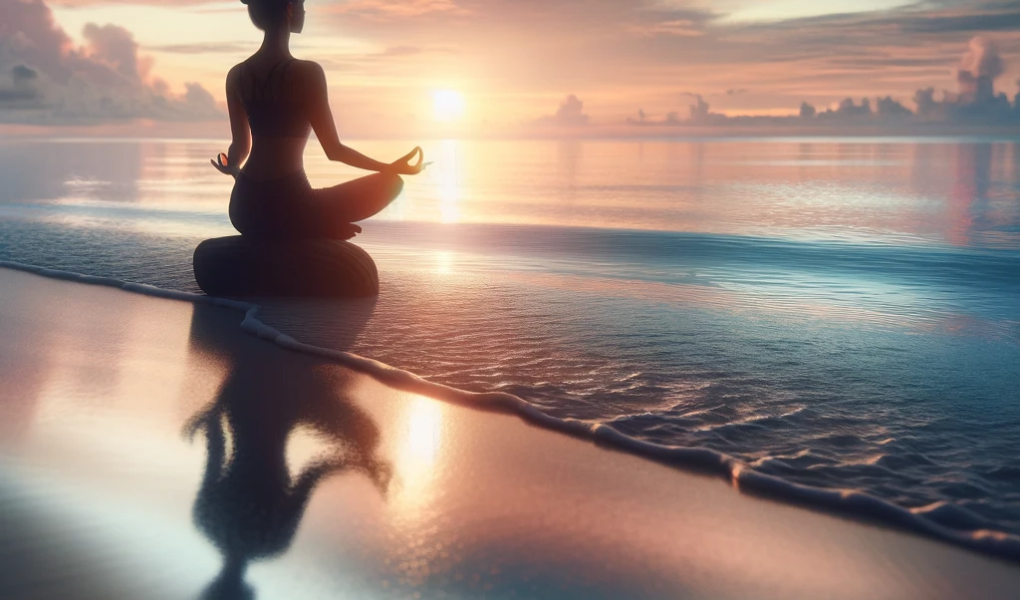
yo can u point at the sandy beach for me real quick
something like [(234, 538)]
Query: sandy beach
[(150, 447)]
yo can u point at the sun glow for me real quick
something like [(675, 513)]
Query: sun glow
[(448, 105), (417, 455)]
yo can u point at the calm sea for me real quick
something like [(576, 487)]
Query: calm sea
[(838, 312)]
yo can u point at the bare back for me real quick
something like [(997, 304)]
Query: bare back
[(270, 97)]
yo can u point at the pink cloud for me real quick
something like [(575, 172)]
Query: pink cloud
[(45, 79)]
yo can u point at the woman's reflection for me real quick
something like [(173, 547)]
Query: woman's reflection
[(250, 504)]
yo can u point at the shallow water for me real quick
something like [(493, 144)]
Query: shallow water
[(842, 313)]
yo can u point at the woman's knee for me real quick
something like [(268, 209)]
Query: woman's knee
[(390, 185)]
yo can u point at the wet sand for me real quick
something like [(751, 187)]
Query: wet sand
[(151, 448)]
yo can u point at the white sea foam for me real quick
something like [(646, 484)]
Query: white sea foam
[(737, 472)]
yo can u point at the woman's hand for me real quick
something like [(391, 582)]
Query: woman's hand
[(403, 165), (221, 165)]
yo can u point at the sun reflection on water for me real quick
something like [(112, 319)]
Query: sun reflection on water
[(444, 262), (448, 175)]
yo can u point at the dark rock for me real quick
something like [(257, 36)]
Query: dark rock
[(243, 266)]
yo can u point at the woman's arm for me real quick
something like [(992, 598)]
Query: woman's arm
[(321, 118), (240, 144), (210, 419)]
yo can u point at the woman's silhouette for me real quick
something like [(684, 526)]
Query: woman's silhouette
[(274, 101)]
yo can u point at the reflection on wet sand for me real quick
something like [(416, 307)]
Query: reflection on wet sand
[(250, 503)]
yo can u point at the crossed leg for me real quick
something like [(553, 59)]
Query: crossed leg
[(356, 200), (292, 210)]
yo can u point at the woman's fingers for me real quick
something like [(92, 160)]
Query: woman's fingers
[(413, 168), (410, 155), (403, 165), (221, 166), (407, 157)]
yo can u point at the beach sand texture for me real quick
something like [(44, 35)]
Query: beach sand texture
[(326, 483)]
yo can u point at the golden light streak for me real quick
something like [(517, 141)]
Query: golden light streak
[(448, 174), (444, 261), (416, 455)]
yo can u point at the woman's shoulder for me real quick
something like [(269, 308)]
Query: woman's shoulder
[(236, 70), (307, 67), (307, 74)]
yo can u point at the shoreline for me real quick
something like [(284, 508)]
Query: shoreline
[(847, 503)]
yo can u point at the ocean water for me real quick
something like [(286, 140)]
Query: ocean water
[(840, 313)]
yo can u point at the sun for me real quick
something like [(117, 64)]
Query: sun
[(447, 105)]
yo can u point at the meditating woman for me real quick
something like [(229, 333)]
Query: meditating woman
[(274, 101)]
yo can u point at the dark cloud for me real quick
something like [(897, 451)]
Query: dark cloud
[(570, 114), (45, 79), (927, 105), (22, 75), (849, 109), (700, 112), (21, 94), (993, 21), (976, 102), (979, 68), (891, 109), (27, 30)]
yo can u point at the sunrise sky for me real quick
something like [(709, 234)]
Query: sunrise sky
[(496, 67)]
